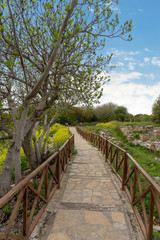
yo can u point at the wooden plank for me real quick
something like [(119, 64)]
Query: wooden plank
[(130, 179), (25, 206), (15, 237), (124, 171), (149, 179), (46, 183), (53, 171), (120, 164), (141, 224), (151, 214), (58, 170), (50, 184), (6, 198), (156, 200), (142, 195), (36, 198), (130, 174), (14, 212), (36, 192), (142, 202), (134, 185), (39, 214)]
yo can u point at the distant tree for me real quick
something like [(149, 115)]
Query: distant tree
[(105, 112), (76, 115), (121, 114), (142, 118), (156, 111)]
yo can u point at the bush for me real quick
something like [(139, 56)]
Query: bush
[(3, 156), (110, 125), (24, 162), (55, 128), (60, 137)]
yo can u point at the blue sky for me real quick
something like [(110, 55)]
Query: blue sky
[(135, 82)]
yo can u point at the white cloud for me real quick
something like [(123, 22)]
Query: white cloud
[(119, 64), (116, 9), (155, 61), (141, 64), (147, 50), (128, 58), (131, 66), (91, 9), (146, 59), (122, 90), (140, 10), (124, 53), (150, 76)]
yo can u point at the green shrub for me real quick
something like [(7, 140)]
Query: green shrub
[(110, 125), (60, 137), (2, 158), (24, 161), (55, 128)]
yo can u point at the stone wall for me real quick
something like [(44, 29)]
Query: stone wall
[(147, 136)]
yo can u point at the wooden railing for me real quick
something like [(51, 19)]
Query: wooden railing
[(142, 191), (28, 200)]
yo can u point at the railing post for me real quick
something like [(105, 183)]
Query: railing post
[(25, 206), (134, 185), (99, 142), (106, 142), (124, 171), (70, 147), (151, 214), (110, 154), (58, 169), (46, 183)]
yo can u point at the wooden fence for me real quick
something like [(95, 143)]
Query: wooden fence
[(28, 200), (142, 191)]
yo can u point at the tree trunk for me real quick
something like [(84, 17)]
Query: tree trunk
[(13, 156), (45, 141), (18, 143), (29, 150), (37, 149), (6, 173), (42, 135)]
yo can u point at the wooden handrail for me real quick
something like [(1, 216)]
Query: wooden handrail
[(130, 174), (49, 175)]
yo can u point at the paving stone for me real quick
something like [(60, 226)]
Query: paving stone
[(96, 218), (118, 217), (58, 236)]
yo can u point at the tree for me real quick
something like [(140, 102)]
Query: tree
[(121, 114), (142, 118), (105, 112), (156, 111), (49, 54)]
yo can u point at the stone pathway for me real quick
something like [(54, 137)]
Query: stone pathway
[(90, 205)]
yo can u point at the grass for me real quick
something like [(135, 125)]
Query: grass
[(145, 157)]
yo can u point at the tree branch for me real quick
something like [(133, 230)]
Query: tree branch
[(53, 55)]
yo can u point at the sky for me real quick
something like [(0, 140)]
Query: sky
[(135, 82)]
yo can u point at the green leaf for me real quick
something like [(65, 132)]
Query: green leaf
[(4, 5), (68, 7), (56, 36)]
